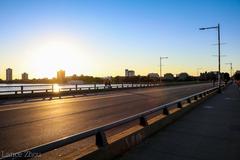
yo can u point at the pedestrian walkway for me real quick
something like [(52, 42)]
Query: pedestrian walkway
[(209, 132)]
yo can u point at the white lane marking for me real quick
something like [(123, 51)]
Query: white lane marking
[(208, 107), (81, 99)]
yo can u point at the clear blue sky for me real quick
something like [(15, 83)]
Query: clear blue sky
[(103, 37)]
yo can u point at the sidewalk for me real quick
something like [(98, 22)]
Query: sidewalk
[(209, 132)]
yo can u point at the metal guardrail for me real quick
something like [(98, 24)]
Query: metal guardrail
[(55, 88), (99, 132), (26, 89)]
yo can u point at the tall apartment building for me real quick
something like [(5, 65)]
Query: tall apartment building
[(8, 74), (61, 76)]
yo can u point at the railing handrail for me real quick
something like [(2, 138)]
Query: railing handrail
[(26, 85), (91, 132), (22, 89)]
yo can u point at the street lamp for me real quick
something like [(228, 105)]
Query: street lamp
[(230, 68), (161, 67), (219, 54)]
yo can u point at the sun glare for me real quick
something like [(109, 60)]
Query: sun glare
[(52, 55), (56, 88)]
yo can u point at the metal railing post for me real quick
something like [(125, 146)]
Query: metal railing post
[(59, 92), (195, 98), (143, 121), (189, 100), (21, 89), (76, 87), (179, 105), (101, 139), (165, 111)]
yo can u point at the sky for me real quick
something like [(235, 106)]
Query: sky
[(104, 37)]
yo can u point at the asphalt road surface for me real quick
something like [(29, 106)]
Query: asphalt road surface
[(28, 124)]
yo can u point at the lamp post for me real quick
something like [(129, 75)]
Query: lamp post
[(219, 53), (231, 69), (161, 58)]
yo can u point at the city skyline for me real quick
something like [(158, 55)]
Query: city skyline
[(104, 38)]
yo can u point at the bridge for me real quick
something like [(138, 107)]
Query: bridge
[(80, 127)]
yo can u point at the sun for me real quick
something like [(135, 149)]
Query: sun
[(55, 54)]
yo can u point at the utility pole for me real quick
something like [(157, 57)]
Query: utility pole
[(161, 67), (219, 54)]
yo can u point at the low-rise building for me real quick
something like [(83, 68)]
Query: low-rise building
[(24, 76), (153, 75), (129, 73)]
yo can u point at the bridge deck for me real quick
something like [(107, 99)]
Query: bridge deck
[(211, 131)]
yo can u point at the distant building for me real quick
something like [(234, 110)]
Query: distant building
[(129, 73), (24, 76), (153, 75), (8, 74), (61, 76), (168, 77)]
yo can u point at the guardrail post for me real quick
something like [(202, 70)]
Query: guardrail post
[(101, 139), (95, 86), (52, 88), (165, 111), (59, 93), (76, 86), (21, 89), (195, 98), (179, 105), (189, 100), (46, 90), (15, 92), (122, 85), (32, 91), (143, 121)]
